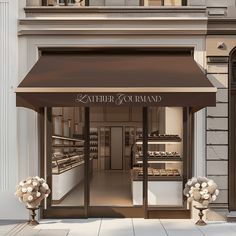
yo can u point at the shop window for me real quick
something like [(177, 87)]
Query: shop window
[(67, 156), (110, 164), (114, 2), (163, 2), (65, 2)]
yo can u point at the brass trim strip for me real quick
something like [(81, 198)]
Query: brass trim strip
[(116, 89)]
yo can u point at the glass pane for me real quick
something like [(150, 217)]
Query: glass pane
[(67, 2), (165, 149), (112, 182), (67, 156), (153, 2), (114, 3), (163, 2), (172, 2)]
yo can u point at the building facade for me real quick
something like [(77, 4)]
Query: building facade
[(207, 27)]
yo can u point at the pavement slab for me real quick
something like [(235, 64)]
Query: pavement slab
[(117, 227), (148, 227)]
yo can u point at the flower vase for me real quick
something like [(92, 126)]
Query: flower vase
[(32, 210), (201, 208)]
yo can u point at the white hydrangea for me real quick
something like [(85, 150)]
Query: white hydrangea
[(30, 198), (206, 196), (189, 183), (194, 179), (201, 185), (204, 191), (213, 197), (210, 182), (29, 189), (24, 190), (45, 186)]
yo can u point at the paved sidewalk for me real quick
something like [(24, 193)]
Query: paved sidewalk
[(118, 227)]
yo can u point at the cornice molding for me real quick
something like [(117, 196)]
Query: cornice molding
[(138, 20), (128, 25), (127, 9), (221, 26)]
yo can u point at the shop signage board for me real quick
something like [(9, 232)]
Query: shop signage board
[(117, 99), (45, 99)]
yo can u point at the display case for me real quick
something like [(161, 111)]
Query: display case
[(67, 153)]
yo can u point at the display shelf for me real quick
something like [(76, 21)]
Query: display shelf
[(67, 138), (93, 143), (163, 165), (137, 177), (160, 139), (160, 159), (159, 178), (156, 141), (66, 146)]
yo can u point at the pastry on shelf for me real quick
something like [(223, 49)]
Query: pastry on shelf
[(163, 172), (176, 172), (169, 172), (150, 172), (156, 172)]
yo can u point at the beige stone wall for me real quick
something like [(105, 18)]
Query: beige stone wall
[(217, 117), (213, 41)]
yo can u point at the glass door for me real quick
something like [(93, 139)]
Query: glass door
[(113, 189), (92, 162)]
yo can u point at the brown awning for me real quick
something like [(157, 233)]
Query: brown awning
[(115, 79)]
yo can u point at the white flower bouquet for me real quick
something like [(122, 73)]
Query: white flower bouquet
[(202, 190), (32, 191)]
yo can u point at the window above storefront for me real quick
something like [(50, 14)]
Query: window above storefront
[(212, 9), (108, 3)]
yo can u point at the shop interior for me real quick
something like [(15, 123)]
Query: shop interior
[(116, 158)]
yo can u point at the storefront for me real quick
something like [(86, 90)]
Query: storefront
[(116, 129)]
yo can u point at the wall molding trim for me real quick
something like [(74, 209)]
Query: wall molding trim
[(4, 96)]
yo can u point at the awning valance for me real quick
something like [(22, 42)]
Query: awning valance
[(115, 79)]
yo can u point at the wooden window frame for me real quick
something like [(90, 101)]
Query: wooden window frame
[(232, 137), (141, 2)]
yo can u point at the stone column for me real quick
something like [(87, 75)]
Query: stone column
[(8, 80)]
